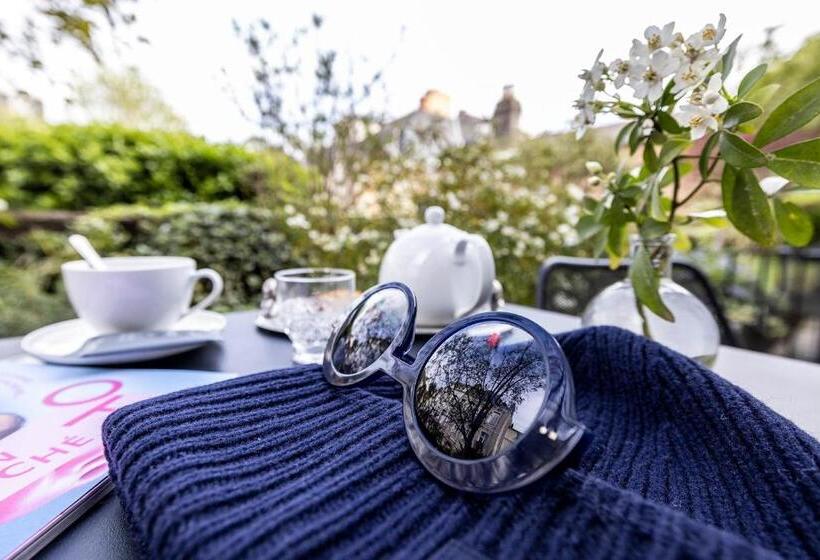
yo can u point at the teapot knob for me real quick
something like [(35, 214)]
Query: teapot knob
[(434, 215)]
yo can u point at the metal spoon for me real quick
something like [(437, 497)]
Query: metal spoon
[(83, 246)]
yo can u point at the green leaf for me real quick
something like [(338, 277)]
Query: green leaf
[(617, 235), (683, 243), (796, 110), (668, 123), (653, 228), (740, 113), (590, 204), (728, 59), (795, 224), (714, 218), (657, 210), (738, 152), (624, 110), (799, 163), (599, 242), (671, 149), (704, 163), (631, 194), (750, 79), (599, 212), (746, 205), (650, 158), (668, 97), (657, 137), (623, 134), (645, 282), (635, 136), (587, 227), (763, 95)]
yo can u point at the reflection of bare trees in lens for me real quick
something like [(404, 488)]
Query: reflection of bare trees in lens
[(470, 389), (369, 334)]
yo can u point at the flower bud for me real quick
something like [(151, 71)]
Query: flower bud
[(593, 167)]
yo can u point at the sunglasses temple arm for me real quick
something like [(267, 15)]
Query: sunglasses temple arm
[(399, 370)]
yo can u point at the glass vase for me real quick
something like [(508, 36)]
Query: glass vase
[(694, 332)]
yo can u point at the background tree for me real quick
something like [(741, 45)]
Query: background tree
[(466, 379), (55, 21), (308, 108), (125, 98)]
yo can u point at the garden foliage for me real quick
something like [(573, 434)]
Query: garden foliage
[(74, 167), (522, 201)]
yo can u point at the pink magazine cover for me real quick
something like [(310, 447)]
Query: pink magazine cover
[(52, 466)]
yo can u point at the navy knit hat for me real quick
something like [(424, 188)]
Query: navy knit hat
[(281, 464)]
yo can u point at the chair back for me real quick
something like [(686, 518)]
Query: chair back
[(568, 284)]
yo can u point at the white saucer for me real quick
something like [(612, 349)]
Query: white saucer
[(76, 343), (269, 324)]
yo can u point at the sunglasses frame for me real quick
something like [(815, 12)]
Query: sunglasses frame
[(551, 436)]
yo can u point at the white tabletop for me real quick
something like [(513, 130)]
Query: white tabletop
[(789, 387)]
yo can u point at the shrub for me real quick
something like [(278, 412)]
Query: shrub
[(75, 167), (27, 302), (508, 197)]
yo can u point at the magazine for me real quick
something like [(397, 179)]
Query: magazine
[(52, 465)]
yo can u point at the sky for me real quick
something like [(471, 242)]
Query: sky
[(467, 50)]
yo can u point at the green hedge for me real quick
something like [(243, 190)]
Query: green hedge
[(76, 167)]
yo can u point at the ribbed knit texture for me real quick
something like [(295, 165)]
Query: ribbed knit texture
[(283, 465)]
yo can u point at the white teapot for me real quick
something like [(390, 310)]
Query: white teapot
[(451, 271)]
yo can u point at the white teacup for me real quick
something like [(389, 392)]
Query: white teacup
[(137, 293)]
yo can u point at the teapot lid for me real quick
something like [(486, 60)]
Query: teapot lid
[(433, 226)]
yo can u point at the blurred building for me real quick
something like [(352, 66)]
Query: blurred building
[(495, 434), (427, 129), (506, 116), (431, 127)]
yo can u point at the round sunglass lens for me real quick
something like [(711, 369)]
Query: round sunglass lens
[(481, 390), (368, 333)]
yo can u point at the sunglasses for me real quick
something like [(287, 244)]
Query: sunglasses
[(488, 401)]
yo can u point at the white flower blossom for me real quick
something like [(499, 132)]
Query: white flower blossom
[(711, 98), (586, 105), (690, 74), (586, 114), (593, 167), (693, 64), (619, 71), (646, 79), (593, 77), (657, 38), (698, 119), (711, 35), (677, 40)]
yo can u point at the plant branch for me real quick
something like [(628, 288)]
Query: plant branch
[(675, 189), (703, 182), (697, 157), (644, 321)]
